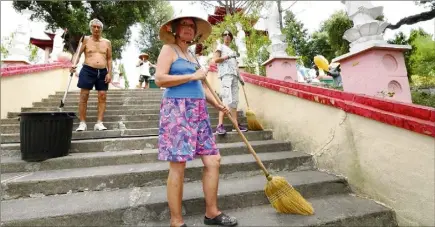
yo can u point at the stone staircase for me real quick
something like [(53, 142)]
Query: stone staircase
[(113, 178)]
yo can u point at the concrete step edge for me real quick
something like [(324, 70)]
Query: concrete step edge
[(94, 159), (331, 210), (137, 205), (52, 182), (150, 136)]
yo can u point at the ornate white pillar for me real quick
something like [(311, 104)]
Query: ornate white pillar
[(18, 51), (279, 65)]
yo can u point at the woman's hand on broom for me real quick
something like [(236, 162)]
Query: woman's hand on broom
[(222, 108), (200, 74)]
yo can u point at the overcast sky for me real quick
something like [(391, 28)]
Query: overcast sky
[(311, 13)]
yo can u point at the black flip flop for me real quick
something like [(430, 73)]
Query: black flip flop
[(222, 219)]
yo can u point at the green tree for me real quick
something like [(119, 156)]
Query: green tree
[(399, 39), (149, 41), (421, 50), (33, 53), (426, 3), (5, 44), (422, 59), (255, 40), (319, 45), (335, 27), (296, 37), (117, 17)]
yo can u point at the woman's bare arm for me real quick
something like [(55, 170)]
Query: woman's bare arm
[(209, 96)]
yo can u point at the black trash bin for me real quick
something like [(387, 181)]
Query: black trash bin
[(45, 135)]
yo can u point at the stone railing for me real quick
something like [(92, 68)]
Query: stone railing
[(384, 148), (23, 85)]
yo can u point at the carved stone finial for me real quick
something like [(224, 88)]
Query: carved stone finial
[(366, 29)]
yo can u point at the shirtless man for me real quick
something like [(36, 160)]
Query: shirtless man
[(96, 71)]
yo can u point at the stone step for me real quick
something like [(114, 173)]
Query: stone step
[(133, 206), (108, 96), (119, 111), (15, 128), (138, 143), (51, 103), (15, 138), (82, 160), (53, 182), (109, 99), (332, 210), (94, 103), (155, 107), (123, 118), (130, 91)]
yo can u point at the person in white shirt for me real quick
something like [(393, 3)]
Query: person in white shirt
[(228, 73), (144, 70)]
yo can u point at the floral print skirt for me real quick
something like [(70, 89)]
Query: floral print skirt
[(184, 130)]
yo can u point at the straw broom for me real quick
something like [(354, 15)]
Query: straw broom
[(283, 197), (253, 123)]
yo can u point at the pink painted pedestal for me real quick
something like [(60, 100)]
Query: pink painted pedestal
[(281, 68), (378, 70)]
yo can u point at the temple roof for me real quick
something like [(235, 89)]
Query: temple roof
[(219, 14), (43, 42), (215, 19), (220, 10)]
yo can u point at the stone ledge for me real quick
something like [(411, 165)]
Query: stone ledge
[(379, 46), (412, 117), (25, 69)]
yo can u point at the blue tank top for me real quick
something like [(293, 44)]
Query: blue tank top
[(191, 89)]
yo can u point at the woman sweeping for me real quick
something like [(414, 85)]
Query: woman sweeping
[(185, 131)]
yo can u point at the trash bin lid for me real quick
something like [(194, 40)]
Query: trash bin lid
[(53, 113)]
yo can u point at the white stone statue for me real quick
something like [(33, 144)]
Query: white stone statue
[(116, 71), (278, 47), (241, 45), (366, 30), (18, 50), (20, 41), (58, 44)]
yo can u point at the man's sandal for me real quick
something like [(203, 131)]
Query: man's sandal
[(222, 219)]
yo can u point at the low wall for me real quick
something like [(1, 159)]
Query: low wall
[(384, 148), (23, 85)]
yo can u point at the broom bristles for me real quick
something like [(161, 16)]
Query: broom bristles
[(285, 199), (253, 123)]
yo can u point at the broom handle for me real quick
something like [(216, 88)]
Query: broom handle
[(243, 87), (246, 98), (259, 162)]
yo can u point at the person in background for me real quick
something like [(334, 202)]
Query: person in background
[(225, 58), (185, 132), (199, 52), (144, 70)]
